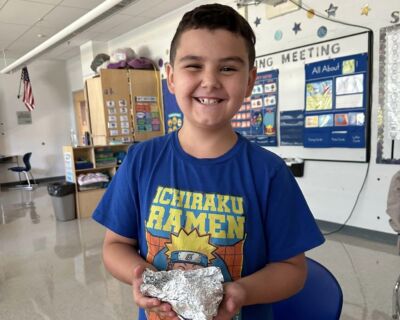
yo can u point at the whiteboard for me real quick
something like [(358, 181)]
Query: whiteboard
[(291, 65)]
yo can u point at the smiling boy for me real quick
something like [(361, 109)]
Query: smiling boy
[(205, 195)]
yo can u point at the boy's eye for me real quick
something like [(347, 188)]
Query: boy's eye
[(228, 69), (193, 67)]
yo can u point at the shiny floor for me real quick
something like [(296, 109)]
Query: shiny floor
[(52, 270)]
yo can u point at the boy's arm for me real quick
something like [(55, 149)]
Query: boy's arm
[(122, 260), (276, 281), (120, 256)]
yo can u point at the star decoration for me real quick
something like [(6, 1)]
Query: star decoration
[(365, 10), (257, 21), (296, 27), (331, 11)]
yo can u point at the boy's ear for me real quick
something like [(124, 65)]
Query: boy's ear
[(170, 78), (251, 81)]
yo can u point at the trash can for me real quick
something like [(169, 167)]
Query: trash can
[(63, 199)]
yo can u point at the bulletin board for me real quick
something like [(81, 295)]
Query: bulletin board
[(388, 144), (323, 99), (256, 119)]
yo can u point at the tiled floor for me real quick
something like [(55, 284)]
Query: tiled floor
[(51, 270)]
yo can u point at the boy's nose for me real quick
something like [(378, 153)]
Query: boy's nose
[(210, 80)]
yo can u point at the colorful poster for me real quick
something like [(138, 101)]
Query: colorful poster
[(256, 119), (147, 114), (173, 116), (336, 102)]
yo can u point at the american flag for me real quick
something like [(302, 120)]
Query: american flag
[(28, 95)]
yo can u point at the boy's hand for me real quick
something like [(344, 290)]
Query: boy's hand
[(162, 309), (234, 298)]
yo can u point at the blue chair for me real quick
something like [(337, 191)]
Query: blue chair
[(26, 169), (320, 299)]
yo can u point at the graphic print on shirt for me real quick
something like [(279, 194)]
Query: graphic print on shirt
[(190, 230)]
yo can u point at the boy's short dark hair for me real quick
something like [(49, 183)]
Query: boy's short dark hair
[(213, 17)]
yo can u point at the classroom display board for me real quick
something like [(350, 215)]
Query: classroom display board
[(335, 102), (322, 99), (256, 119), (388, 144)]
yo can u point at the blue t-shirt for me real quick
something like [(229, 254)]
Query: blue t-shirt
[(239, 211)]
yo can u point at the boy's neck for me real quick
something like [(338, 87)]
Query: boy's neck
[(207, 144)]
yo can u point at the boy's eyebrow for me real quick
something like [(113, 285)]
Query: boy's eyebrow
[(199, 58), (234, 59)]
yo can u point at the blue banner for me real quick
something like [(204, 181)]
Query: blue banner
[(173, 116)]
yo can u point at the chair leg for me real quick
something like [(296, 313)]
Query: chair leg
[(396, 302), (34, 181), (27, 178)]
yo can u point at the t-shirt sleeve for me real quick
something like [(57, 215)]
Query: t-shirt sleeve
[(290, 228), (118, 210)]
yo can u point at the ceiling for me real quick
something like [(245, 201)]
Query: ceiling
[(24, 24)]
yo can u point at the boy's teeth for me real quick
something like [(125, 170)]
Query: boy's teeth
[(208, 101)]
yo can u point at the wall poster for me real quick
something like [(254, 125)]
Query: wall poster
[(173, 116), (336, 102), (256, 119)]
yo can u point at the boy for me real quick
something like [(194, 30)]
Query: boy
[(205, 195)]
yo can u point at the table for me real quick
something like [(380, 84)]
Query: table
[(12, 160), (9, 159)]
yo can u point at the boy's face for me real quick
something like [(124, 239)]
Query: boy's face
[(210, 77)]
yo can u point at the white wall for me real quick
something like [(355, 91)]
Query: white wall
[(75, 83), (331, 188), (51, 119), (74, 74)]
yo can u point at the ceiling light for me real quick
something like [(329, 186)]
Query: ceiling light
[(105, 9)]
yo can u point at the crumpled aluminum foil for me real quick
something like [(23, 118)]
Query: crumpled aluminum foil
[(193, 294)]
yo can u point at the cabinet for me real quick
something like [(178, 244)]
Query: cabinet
[(125, 106), (90, 159)]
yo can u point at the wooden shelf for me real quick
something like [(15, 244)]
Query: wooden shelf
[(87, 200), (95, 169)]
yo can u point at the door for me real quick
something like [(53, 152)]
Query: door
[(81, 115)]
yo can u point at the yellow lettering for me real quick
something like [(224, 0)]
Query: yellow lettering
[(235, 227), (216, 221), (237, 205), (209, 204), (222, 203), (197, 202), (157, 197), (164, 199), (177, 198), (156, 217), (193, 222), (173, 223), (187, 199)]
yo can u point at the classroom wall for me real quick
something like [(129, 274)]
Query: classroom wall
[(331, 187), (51, 119), (74, 74)]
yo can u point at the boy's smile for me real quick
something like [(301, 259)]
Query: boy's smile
[(210, 77)]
